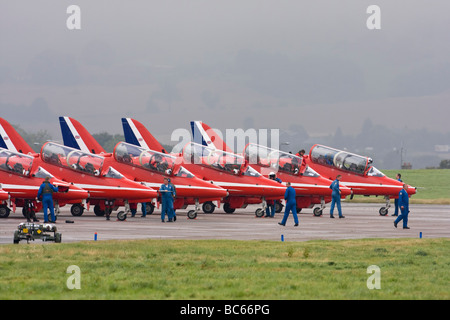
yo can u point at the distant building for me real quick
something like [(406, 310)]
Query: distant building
[(406, 166)]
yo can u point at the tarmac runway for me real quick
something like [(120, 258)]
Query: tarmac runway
[(361, 221)]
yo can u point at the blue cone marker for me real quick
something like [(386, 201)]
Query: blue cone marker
[(420, 235), (282, 238), (95, 236)]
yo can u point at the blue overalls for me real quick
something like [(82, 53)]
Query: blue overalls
[(291, 205), (270, 209), (46, 190), (403, 201), (396, 203), (167, 196), (335, 198)]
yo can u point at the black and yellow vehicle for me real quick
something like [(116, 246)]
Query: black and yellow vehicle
[(31, 231)]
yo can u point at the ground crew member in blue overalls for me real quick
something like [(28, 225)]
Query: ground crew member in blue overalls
[(46, 191), (336, 197), (403, 203), (291, 205), (399, 178), (167, 196), (174, 194), (270, 209)]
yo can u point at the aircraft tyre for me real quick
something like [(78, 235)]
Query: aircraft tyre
[(149, 208), (317, 212), (98, 212), (16, 239), (121, 216), (192, 214), (4, 211), (208, 207), (278, 207), (76, 210), (383, 211), (259, 213), (227, 208)]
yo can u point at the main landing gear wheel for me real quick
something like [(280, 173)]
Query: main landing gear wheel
[(317, 211), (4, 211), (227, 208), (149, 208), (259, 213), (383, 211), (208, 207), (77, 210), (192, 214), (279, 207), (99, 212)]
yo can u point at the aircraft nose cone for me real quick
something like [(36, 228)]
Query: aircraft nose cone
[(273, 189), (75, 193), (4, 195), (216, 192), (345, 191), (68, 191), (141, 192), (411, 190)]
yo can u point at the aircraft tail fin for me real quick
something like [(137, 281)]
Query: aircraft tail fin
[(136, 133), (205, 135), (76, 136), (10, 139)]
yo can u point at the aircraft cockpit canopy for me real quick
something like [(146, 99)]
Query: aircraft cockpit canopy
[(113, 173), (220, 160), (17, 163), (42, 173), (148, 159), (276, 159), (75, 159), (343, 160)]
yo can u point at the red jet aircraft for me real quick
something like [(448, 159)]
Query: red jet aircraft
[(310, 187), (357, 173), (225, 169), (147, 166), (21, 177), (108, 189)]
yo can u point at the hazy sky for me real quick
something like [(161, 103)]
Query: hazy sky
[(261, 63)]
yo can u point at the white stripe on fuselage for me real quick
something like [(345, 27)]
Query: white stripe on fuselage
[(18, 186), (178, 186), (305, 185), (249, 185), (99, 187), (361, 184)]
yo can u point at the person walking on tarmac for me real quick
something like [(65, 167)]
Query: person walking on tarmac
[(403, 203), (46, 192), (174, 193), (399, 178), (167, 196), (270, 209), (336, 197), (291, 205)]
